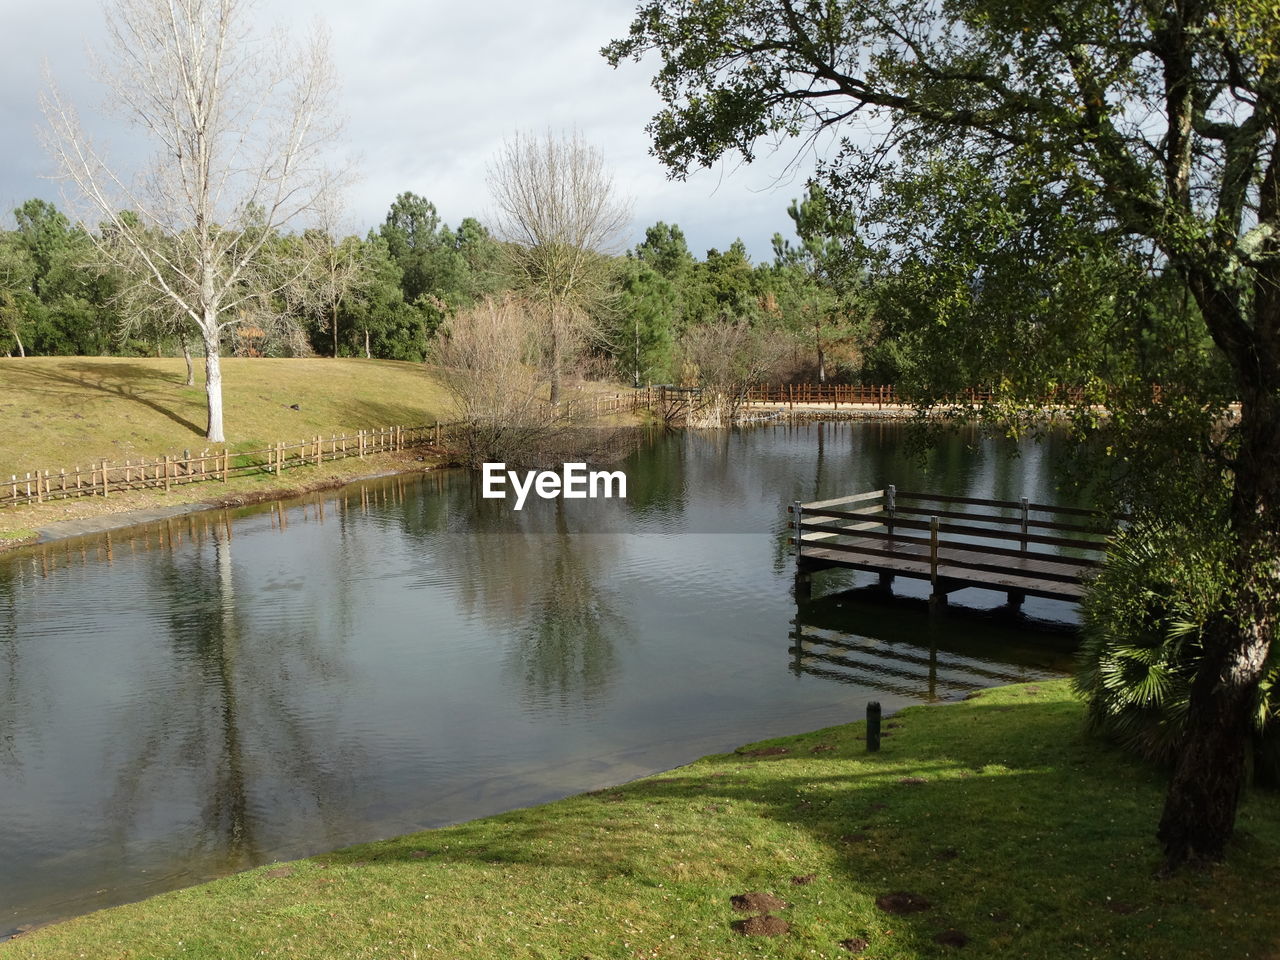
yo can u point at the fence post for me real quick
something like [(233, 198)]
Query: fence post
[(166, 473), (39, 492), (13, 481), (226, 464), (62, 477), (105, 490)]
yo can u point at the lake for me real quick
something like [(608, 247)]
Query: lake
[(195, 697)]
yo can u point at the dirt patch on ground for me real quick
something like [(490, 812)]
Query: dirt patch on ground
[(804, 879), (947, 853), (279, 872), (855, 944), (951, 938), (912, 781), (757, 902), (902, 901), (766, 926), (764, 752), (823, 748)]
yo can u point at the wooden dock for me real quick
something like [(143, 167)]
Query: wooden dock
[(1020, 548)]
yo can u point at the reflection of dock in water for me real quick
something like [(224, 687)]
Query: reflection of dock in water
[(904, 654)]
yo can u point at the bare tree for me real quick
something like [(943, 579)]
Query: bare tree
[(560, 217), (489, 358), (336, 268), (727, 357), (240, 128)]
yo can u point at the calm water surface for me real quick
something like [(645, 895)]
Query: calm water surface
[(190, 698)]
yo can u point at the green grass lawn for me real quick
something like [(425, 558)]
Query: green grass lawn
[(59, 411), (1024, 838)]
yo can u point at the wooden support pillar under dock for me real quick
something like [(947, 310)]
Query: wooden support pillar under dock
[(803, 588)]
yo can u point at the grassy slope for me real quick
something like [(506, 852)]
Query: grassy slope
[(1028, 838), (62, 411), (57, 411)]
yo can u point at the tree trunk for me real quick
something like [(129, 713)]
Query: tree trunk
[(186, 355), (822, 357), (557, 352), (21, 350), (1209, 773), (213, 387), (367, 354), (334, 321)]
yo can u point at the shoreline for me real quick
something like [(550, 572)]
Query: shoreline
[(97, 522), (982, 822)]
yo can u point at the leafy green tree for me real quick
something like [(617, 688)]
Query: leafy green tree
[(17, 274), (731, 283), (376, 320), (646, 324), (70, 312), (814, 274), (1093, 152)]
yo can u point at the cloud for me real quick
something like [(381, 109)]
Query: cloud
[(429, 92)]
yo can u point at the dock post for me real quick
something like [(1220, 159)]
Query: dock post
[(1024, 524), (937, 598), (886, 581), (1016, 597), (803, 589), (798, 509), (890, 504)]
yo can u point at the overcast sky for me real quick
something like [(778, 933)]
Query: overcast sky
[(429, 90)]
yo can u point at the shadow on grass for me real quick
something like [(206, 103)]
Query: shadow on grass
[(1020, 833), (120, 380)]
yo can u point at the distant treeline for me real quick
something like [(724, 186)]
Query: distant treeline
[(391, 291)]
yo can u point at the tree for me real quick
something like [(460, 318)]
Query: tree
[(336, 269), (559, 214), (17, 273), (645, 324), (812, 271), (728, 356), (239, 148), (1113, 144)]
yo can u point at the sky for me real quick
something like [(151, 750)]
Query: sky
[(429, 91)]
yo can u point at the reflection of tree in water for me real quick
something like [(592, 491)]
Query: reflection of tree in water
[(565, 654), (231, 722), (532, 575), (10, 689)]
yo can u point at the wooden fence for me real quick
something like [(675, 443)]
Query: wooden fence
[(105, 477)]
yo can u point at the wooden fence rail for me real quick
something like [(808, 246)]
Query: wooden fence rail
[(103, 477)]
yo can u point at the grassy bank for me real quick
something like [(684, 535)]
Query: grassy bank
[(62, 411), (1023, 838)]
